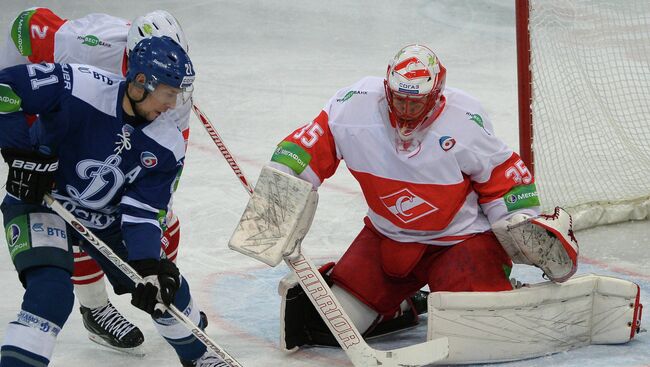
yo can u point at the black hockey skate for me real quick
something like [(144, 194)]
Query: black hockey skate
[(419, 301), (207, 360), (407, 320), (107, 327)]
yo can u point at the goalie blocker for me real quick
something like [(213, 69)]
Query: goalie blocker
[(535, 320), (276, 219)]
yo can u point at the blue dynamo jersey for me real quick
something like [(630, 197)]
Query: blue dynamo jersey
[(110, 173)]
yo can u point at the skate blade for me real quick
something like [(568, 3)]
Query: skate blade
[(135, 351)]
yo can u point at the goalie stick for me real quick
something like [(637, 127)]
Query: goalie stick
[(135, 277), (222, 147), (329, 308)]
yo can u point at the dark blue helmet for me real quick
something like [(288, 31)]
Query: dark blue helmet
[(161, 60)]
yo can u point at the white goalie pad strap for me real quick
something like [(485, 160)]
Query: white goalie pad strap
[(546, 241), (277, 217), (536, 320)]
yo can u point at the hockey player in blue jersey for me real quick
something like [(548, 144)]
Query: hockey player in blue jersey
[(100, 151)]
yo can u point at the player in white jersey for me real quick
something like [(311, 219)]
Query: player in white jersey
[(437, 182), (39, 35)]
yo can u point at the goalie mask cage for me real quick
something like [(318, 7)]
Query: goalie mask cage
[(584, 105)]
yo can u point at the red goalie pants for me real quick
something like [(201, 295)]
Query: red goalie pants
[(87, 271), (382, 273)]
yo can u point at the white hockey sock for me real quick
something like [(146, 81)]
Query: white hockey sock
[(171, 328), (33, 334), (92, 295), (361, 315)]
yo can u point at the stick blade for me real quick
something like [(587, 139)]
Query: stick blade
[(422, 354)]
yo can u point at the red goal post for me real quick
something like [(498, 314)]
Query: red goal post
[(584, 105)]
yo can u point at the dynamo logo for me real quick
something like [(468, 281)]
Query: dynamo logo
[(45, 327), (148, 159)]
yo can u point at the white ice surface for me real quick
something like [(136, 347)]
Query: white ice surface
[(266, 67)]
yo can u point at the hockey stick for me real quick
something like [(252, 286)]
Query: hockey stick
[(222, 147), (335, 317), (348, 336), (136, 278)]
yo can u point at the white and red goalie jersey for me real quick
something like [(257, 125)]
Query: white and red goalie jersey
[(460, 180)]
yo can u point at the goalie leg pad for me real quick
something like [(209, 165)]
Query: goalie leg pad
[(536, 320)]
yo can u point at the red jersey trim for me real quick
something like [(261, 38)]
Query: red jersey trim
[(125, 64), (503, 178), (42, 30)]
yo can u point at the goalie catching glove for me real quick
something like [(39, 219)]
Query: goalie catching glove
[(546, 241), (31, 174), (161, 280)]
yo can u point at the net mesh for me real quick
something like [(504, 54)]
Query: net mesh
[(590, 64)]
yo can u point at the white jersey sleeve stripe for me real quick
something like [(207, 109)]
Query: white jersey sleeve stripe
[(132, 219), (126, 200)]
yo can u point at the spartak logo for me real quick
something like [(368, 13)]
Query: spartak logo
[(406, 206), (412, 68)]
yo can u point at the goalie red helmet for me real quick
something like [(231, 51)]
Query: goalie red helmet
[(414, 83)]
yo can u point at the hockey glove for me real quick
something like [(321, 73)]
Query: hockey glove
[(546, 241), (31, 174), (161, 280)]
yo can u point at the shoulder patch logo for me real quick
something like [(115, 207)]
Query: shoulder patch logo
[(478, 120), (92, 41), (406, 206), (148, 159), (9, 100), (14, 233), (20, 32), (521, 197), (447, 142), (350, 94)]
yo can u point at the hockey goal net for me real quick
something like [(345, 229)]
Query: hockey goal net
[(584, 105)]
